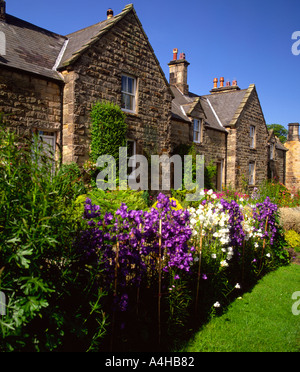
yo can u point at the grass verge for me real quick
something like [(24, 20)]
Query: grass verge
[(262, 321)]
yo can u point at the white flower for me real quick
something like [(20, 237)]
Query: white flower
[(214, 196), (217, 304), (237, 286), (209, 192), (224, 263), (193, 221), (256, 245), (213, 255), (268, 255)]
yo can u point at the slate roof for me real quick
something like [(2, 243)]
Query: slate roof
[(81, 40), (226, 104), (219, 109), (30, 48)]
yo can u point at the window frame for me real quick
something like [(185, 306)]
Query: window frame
[(252, 171), (272, 151), (126, 93), (252, 136), (199, 131)]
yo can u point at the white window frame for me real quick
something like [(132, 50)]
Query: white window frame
[(272, 151), (126, 93), (197, 135), (252, 167), (252, 136), (45, 138)]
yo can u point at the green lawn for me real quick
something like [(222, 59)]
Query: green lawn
[(262, 321)]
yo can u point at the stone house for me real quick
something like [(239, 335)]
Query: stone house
[(227, 126), (49, 82)]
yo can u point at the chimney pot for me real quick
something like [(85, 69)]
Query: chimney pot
[(110, 13), (215, 83), (222, 82), (234, 83), (228, 84), (182, 56), (175, 54)]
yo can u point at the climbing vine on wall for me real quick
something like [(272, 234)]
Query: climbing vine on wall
[(108, 130)]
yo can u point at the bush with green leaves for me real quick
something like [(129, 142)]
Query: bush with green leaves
[(108, 130), (53, 302)]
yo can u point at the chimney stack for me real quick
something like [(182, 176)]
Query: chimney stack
[(294, 132), (224, 89), (110, 13), (2, 10), (175, 54), (179, 72)]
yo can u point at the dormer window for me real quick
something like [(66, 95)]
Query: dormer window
[(272, 151), (197, 130)]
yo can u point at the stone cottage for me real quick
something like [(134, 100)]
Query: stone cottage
[(49, 82), (227, 126)]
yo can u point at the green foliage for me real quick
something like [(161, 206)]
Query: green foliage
[(209, 174), (108, 130), (50, 296), (110, 201), (278, 193), (293, 239), (280, 131)]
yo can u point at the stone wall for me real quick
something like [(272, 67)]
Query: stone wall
[(30, 102), (239, 145), (97, 76), (277, 166), (213, 145), (293, 165)]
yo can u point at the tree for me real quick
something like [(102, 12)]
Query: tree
[(280, 131)]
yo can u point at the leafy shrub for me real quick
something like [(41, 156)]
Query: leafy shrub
[(108, 130), (278, 194), (111, 201), (53, 302), (293, 239)]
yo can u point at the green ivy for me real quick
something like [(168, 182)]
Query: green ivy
[(108, 130)]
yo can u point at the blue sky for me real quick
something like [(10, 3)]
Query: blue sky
[(249, 41)]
